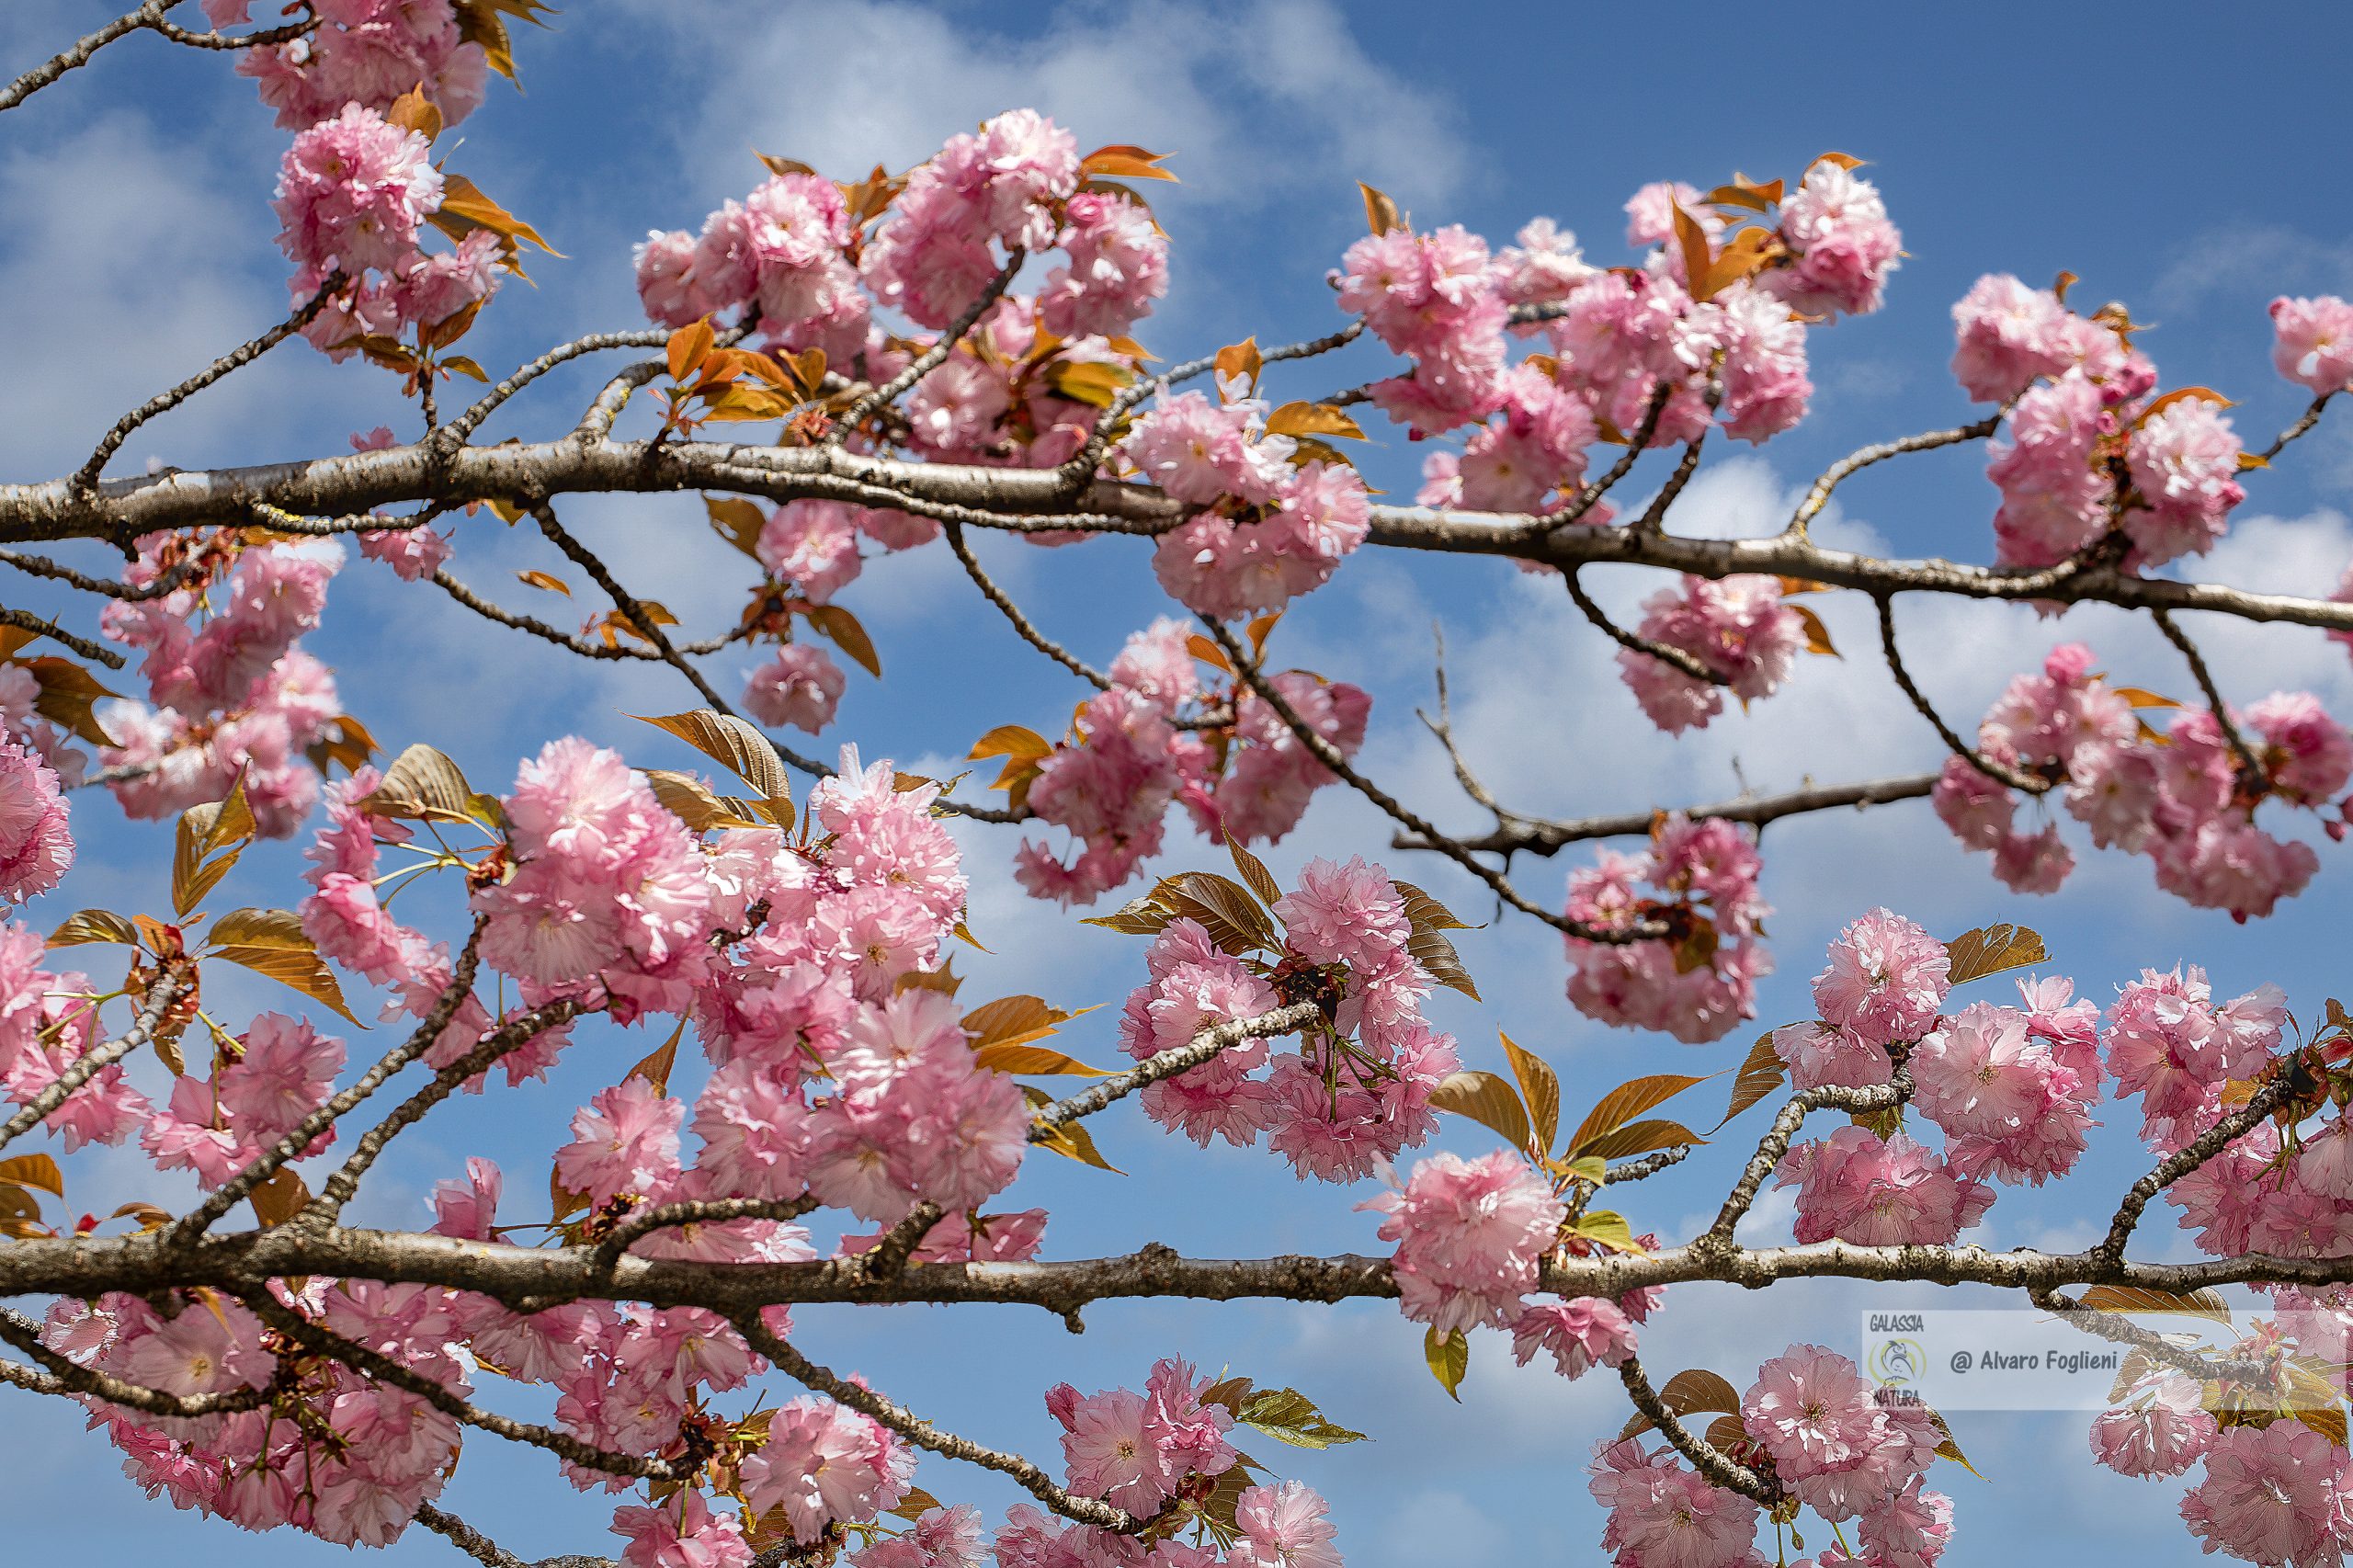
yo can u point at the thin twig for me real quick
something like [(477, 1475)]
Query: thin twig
[(1681, 659), (931, 358), (85, 479), (162, 993), (1167, 1063), (1325, 752), (1720, 1468), (2250, 769), (307, 1132), (42, 75), (2000, 772), (1012, 612), (1544, 838), (1817, 498), (922, 1435)]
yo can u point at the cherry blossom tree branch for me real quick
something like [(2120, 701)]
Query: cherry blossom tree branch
[(85, 478), (506, 1039), (542, 1277), (636, 1227), (1325, 752), (165, 582), (1538, 836), (162, 993), (79, 54), (1720, 1468), (1022, 625), (323, 1341), (267, 37), (238, 1188), (2249, 768), (467, 1538), (1775, 1145), (1168, 1063), (1073, 474), (1681, 659), (2303, 426), (2121, 1330), (924, 1435), (43, 626), (931, 358), (1817, 496), (461, 429), (651, 630), (68, 1377), (2235, 1123), (2000, 772), (1025, 500)]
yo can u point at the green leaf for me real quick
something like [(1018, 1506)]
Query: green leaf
[(1605, 1228), (1289, 1417), (1448, 1360)]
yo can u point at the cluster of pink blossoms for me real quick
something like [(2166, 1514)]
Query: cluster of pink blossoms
[(1472, 1237), (2182, 798), (354, 194), (368, 53), (232, 697), (328, 1451), (1815, 1427), (1698, 981), (1144, 1452), (2012, 1089), (1111, 784), (2088, 450), (1737, 627), (48, 1023), (1356, 1090), (1270, 530), (2275, 1492), (36, 837), (797, 262), (1734, 351)]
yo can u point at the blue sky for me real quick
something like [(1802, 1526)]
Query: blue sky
[(2177, 163)]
